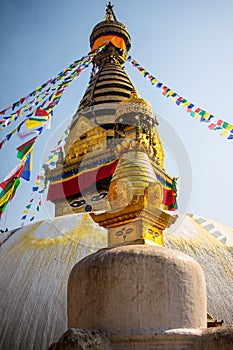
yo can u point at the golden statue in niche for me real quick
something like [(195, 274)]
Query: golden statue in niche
[(154, 194), (120, 194)]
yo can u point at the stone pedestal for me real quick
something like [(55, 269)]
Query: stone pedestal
[(137, 288)]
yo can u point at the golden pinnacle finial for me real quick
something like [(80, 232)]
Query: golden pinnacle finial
[(110, 16)]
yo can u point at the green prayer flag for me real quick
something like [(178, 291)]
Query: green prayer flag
[(202, 112), (225, 125), (25, 148)]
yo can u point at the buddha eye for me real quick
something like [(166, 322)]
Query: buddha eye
[(119, 233), (99, 196), (77, 203), (129, 231)]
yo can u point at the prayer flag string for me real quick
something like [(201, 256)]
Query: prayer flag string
[(43, 114), (40, 184), (64, 77), (225, 128)]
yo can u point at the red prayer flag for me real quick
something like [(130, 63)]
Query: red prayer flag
[(25, 147), (4, 111), (2, 143), (41, 112), (212, 126), (17, 174), (164, 90)]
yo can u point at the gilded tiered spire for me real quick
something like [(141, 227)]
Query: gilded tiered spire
[(110, 83)]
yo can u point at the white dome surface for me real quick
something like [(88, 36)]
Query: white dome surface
[(36, 261)]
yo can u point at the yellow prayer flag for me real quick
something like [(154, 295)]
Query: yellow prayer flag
[(206, 116), (224, 133), (31, 124), (170, 93), (5, 197), (186, 103), (229, 127)]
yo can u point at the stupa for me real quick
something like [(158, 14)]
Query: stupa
[(111, 116), (134, 288), (113, 142)]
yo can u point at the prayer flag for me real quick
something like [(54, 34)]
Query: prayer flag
[(202, 112), (15, 172), (211, 126), (8, 193), (9, 136), (225, 125), (192, 114), (224, 133), (5, 197), (25, 148), (4, 111), (41, 112), (26, 173), (48, 123), (34, 122), (159, 85), (2, 143)]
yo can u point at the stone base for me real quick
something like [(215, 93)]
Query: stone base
[(81, 339), (220, 338), (136, 287)]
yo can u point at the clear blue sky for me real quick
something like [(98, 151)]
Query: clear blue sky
[(185, 44)]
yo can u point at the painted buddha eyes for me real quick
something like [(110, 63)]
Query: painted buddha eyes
[(77, 203), (99, 196)]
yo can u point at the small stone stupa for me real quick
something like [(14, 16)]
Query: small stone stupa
[(136, 286)]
